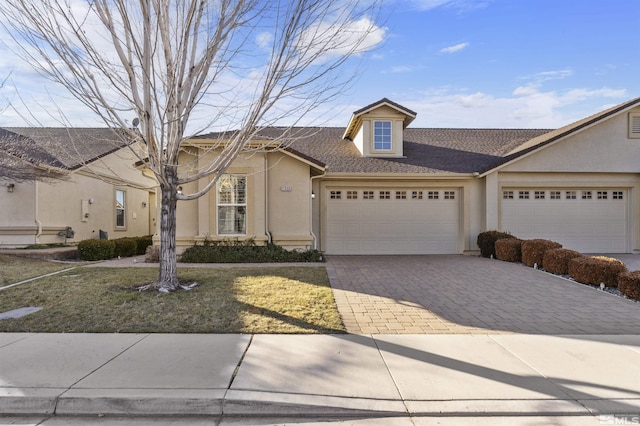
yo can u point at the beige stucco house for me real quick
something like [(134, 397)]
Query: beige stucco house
[(379, 186), (103, 192)]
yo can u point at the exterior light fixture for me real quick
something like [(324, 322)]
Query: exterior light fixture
[(313, 195), (11, 187)]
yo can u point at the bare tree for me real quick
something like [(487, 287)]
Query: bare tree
[(242, 64)]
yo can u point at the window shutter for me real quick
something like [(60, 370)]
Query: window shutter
[(634, 125)]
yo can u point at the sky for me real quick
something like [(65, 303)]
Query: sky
[(456, 63)]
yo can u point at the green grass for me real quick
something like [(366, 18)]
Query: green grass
[(234, 300), (14, 269)]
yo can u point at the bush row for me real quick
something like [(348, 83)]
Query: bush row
[(553, 258), (108, 249), (236, 251)]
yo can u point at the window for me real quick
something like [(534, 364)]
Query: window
[(586, 195), (523, 195), (570, 195), (232, 205), (335, 195), (385, 195), (382, 135), (617, 195), (602, 195), (401, 195), (416, 195), (433, 195), (554, 195), (538, 195), (449, 195), (121, 212), (634, 125), (507, 195), (367, 195), (352, 195)]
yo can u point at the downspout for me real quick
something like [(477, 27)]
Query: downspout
[(36, 212), (266, 199), (315, 238)]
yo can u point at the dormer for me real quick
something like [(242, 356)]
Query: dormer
[(377, 130)]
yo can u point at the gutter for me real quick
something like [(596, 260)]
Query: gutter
[(36, 213)]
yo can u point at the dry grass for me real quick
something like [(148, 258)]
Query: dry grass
[(14, 269), (236, 300)]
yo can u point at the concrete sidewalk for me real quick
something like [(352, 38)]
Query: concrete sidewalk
[(319, 375)]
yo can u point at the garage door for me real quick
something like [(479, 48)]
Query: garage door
[(586, 220), (392, 221)]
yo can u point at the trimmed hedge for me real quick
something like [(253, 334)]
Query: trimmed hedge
[(533, 251), (629, 284), (509, 249), (143, 243), (595, 270), (487, 240), (557, 260), (235, 251), (96, 249), (125, 247)]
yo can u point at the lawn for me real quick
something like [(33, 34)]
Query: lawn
[(14, 269), (234, 300)]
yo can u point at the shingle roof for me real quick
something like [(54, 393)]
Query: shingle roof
[(68, 148), (426, 150)]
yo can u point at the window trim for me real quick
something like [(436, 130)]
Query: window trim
[(382, 148), (232, 204), (123, 209)]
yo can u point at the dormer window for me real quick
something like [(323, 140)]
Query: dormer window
[(382, 135)]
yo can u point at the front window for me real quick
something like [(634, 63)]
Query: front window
[(382, 135), (120, 209), (232, 205)]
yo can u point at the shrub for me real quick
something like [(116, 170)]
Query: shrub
[(533, 251), (595, 270), (509, 249), (143, 243), (486, 241), (557, 260), (629, 284), (125, 247), (152, 254), (235, 251), (96, 249)]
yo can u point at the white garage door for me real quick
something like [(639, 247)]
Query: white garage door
[(586, 220), (392, 221)]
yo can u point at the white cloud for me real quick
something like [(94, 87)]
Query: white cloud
[(527, 107), (264, 39), (549, 75), (461, 6), (455, 48)]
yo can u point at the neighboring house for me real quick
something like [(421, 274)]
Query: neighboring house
[(381, 187), (103, 190)]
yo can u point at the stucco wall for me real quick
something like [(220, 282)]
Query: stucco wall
[(85, 202)]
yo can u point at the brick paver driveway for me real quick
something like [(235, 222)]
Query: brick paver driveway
[(468, 294)]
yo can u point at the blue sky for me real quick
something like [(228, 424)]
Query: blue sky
[(457, 63)]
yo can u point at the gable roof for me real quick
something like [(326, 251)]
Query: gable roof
[(427, 151), (355, 121), (62, 147), (552, 136)]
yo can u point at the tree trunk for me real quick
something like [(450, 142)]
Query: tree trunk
[(168, 278)]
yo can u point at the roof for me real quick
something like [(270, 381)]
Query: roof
[(356, 118), (68, 148)]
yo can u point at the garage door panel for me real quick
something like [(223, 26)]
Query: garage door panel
[(589, 225), (393, 225)]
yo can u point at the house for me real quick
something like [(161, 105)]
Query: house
[(103, 192), (379, 186)]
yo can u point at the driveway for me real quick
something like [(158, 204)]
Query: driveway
[(455, 294)]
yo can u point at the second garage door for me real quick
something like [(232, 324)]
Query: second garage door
[(392, 221), (586, 220)]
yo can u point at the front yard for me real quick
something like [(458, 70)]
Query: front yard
[(235, 300)]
